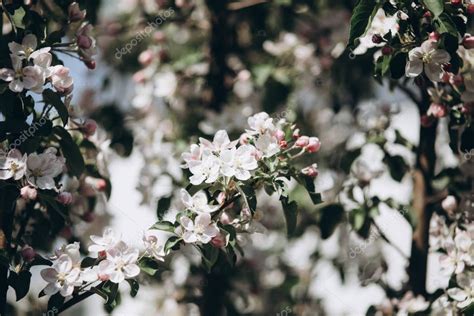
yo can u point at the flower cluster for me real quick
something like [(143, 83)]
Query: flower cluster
[(31, 68), (112, 260), (220, 205)]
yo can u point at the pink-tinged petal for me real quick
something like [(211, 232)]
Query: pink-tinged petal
[(117, 277), (131, 270), (186, 222), (414, 68), (428, 46), (204, 239), (203, 219), (73, 276), (64, 264), (7, 74), (221, 138), (49, 275), (186, 198), (211, 231), (415, 54), (189, 237), (95, 248), (465, 304), (52, 288), (16, 49)]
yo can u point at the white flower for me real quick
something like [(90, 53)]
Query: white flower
[(62, 277), (267, 145), (20, 78), (202, 229), (43, 168), (194, 154), (238, 162), (120, 264), (429, 58), (27, 49), (464, 293), (204, 170), (105, 242), (197, 203), (61, 79), (260, 123), (13, 165), (72, 251), (459, 253), (220, 142), (152, 248)]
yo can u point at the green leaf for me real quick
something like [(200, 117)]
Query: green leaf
[(435, 6), (331, 216), (444, 24), (18, 18), (88, 262), (248, 193), (309, 185), (172, 243), (51, 97), (162, 207), (291, 212), (134, 287), (148, 265), (397, 65), (74, 159), (165, 226), (20, 282), (210, 255), (361, 18)]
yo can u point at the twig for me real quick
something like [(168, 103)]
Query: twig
[(244, 4)]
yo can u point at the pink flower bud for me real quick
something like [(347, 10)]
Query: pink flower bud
[(296, 133), (386, 50), (468, 42), (89, 127), (434, 36), (146, 57), (302, 141), (101, 185), (28, 253), (437, 110), (219, 241), (87, 190), (311, 171), (159, 36), (221, 198), (456, 2), (84, 42), (283, 144), (64, 198), (90, 64), (313, 145), (28, 193), (280, 135)]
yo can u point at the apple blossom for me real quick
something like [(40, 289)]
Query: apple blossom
[(13, 165), (75, 13), (202, 229), (427, 57), (150, 240), (61, 80), (197, 203), (260, 123), (43, 168), (313, 145), (220, 142), (239, 162), (120, 263), (103, 243), (267, 145), (62, 277), (21, 78), (464, 293)]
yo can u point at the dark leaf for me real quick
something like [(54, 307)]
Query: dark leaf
[(331, 216), (361, 18), (291, 212), (74, 159), (51, 97)]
